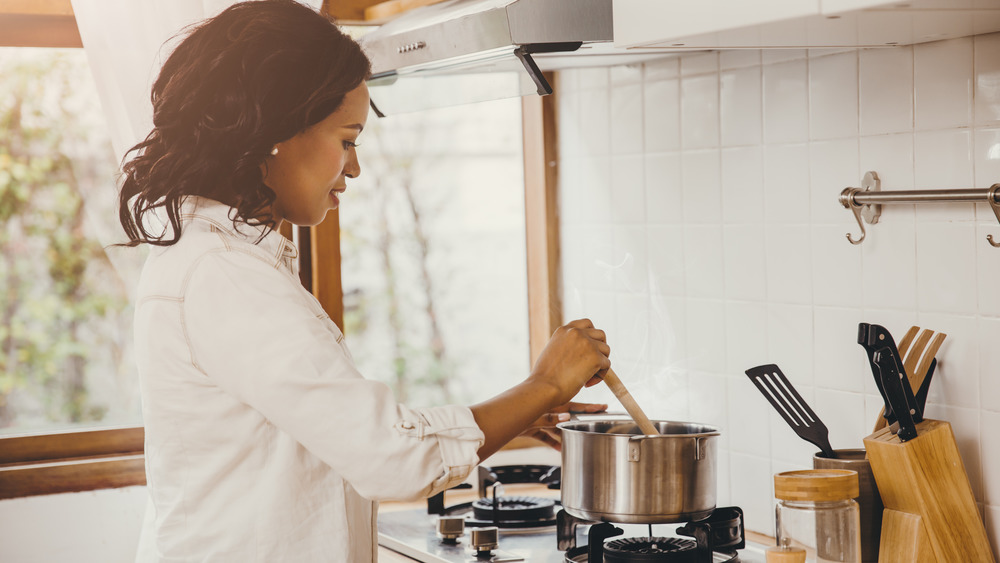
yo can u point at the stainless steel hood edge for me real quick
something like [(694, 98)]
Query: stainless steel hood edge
[(482, 28), (561, 21)]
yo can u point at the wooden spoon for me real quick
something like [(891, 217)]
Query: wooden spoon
[(625, 398)]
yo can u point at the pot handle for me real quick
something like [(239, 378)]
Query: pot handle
[(633, 448), (699, 448), (634, 452)]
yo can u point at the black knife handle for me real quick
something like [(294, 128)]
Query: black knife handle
[(868, 341), (886, 345), (897, 392)]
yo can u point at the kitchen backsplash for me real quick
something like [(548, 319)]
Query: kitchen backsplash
[(701, 229)]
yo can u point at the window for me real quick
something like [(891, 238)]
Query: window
[(433, 254), (65, 318)]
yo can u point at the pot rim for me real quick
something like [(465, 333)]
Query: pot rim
[(567, 426)]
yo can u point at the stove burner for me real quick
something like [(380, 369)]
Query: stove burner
[(716, 538), (650, 550), (524, 509), (510, 511)]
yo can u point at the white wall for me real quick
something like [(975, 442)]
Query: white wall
[(89, 527), (701, 229)]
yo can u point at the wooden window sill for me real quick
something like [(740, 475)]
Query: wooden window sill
[(73, 461)]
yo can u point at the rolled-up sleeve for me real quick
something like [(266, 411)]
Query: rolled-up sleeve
[(253, 331)]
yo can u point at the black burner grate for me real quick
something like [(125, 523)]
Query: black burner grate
[(507, 509), (650, 550), (716, 539)]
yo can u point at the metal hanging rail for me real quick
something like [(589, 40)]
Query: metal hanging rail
[(866, 202)]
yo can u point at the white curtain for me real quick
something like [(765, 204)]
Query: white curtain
[(126, 41)]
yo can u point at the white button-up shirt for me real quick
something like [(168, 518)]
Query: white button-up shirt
[(263, 442)]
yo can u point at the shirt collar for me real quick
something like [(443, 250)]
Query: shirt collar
[(220, 215)]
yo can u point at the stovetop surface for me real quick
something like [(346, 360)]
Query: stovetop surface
[(413, 533)]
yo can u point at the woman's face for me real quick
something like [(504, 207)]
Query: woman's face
[(311, 169)]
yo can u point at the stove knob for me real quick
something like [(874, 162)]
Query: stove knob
[(450, 528), (484, 540)]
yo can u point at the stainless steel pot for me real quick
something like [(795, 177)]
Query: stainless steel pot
[(612, 473)]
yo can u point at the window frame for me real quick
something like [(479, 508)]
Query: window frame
[(38, 23), (539, 126), (104, 458), (71, 461)]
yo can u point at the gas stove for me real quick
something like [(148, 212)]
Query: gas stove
[(496, 527)]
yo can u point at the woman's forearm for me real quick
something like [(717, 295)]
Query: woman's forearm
[(575, 352), (505, 416)]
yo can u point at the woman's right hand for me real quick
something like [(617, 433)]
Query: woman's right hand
[(576, 355)]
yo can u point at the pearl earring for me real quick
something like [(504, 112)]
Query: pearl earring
[(274, 151)]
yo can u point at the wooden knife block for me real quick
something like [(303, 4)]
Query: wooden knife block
[(930, 512)]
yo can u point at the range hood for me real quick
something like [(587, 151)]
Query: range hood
[(464, 51)]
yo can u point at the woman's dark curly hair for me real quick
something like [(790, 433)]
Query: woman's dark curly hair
[(257, 74)]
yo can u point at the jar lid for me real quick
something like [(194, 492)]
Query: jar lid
[(816, 485), (785, 555)]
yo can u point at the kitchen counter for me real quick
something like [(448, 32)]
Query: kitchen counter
[(390, 556), (454, 497), (459, 496)]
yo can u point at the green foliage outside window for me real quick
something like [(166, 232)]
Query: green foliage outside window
[(433, 254), (64, 311)]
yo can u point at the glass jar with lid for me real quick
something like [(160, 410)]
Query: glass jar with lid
[(816, 512)]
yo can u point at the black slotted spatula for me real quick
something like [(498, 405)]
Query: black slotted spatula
[(791, 406)]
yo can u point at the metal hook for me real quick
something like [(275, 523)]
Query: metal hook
[(995, 206), (847, 200), (857, 216), (870, 183)]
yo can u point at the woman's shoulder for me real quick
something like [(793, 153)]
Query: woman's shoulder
[(170, 269), (211, 237)]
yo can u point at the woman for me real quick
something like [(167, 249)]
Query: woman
[(263, 442)]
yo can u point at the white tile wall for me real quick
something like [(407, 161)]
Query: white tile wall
[(743, 184), (942, 83), (987, 157), (886, 90), (740, 106), (786, 101), (661, 118), (832, 165), (987, 75), (702, 231), (943, 159), (744, 274), (786, 175), (699, 110), (833, 96), (701, 186)]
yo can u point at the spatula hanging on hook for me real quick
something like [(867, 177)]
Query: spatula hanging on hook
[(791, 406)]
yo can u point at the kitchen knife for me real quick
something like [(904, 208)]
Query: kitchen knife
[(893, 381), (896, 385), (886, 345), (867, 340)]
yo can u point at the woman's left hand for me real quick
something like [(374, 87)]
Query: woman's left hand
[(544, 429)]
